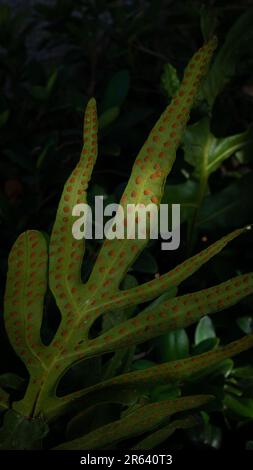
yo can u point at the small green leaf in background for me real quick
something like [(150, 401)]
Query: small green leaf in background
[(205, 152), (173, 345), (116, 90), (204, 346), (205, 336), (204, 330), (240, 406), (108, 117), (245, 323), (244, 372), (169, 80)]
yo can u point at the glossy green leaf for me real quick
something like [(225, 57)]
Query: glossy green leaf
[(205, 345), (205, 152), (204, 330), (241, 406), (243, 372), (174, 345)]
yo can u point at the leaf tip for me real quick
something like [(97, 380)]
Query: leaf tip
[(92, 104), (213, 43)]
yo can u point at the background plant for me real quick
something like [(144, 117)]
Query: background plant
[(225, 203)]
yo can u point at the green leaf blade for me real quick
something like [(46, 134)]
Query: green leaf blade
[(24, 297), (146, 183), (144, 419), (65, 251), (172, 314), (173, 278)]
